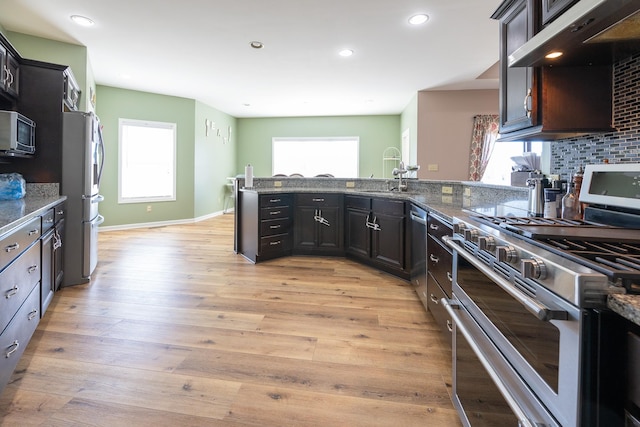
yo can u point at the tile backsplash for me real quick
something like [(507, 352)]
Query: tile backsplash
[(623, 145)]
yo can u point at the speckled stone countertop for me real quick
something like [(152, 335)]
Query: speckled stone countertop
[(627, 306), (39, 198)]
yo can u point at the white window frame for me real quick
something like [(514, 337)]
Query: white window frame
[(122, 123), (312, 142)]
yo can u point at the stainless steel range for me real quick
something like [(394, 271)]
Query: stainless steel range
[(534, 343)]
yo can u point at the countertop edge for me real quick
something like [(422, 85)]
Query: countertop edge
[(626, 305), (33, 207)]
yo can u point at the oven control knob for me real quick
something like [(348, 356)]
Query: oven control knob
[(459, 227), (533, 269), (486, 243), (506, 254), (470, 235)]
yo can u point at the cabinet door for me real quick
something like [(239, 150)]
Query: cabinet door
[(305, 233), (551, 9), (357, 234), (387, 242), (47, 284), (12, 82), (330, 233), (518, 97)]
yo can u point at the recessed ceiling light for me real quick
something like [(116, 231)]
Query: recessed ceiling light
[(418, 19), (256, 45), (345, 52), (82, 20), (553, 55)]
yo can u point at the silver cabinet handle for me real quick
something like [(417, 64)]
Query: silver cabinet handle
[(274, 200), (276, 243), (449, 276), (32, 268), (12, 247), (275, 213), (317, 200), (434, 298), (433, 226), (275, 227), (434, 258), (534, 307), (14, 347), (12, 292), (32, 314), (449, 325), (528, 97)]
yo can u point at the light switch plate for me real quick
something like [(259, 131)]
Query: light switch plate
[(351, 184), (277, 183)]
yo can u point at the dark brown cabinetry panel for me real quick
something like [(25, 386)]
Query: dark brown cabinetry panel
[(551, 9), (318, 225)]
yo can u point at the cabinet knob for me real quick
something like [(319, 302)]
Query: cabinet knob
[(527, 99)]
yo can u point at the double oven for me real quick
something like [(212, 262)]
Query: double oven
[(533, 341)]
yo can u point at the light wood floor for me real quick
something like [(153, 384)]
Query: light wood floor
[(177, 330)]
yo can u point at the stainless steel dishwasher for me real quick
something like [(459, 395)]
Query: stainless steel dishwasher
[(419, 252)]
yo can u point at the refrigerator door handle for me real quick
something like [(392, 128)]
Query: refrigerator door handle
[(101, 144), (99, 220), (97, 199)]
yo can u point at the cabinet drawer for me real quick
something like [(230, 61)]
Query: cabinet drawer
[(18, 240), (276, 243), (387, 206), (59, 212), (16, 281), (274, 200), (358, 202), (435, 294), (48, 219), (440, 264), (16, 336), (438, 228), (275, 226), (315, 199), (275, 212)]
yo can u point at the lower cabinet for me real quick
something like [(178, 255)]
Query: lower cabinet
[(318, 225), (375, 233), (439, 272)]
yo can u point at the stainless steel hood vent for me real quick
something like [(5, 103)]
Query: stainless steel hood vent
[(590, 32)]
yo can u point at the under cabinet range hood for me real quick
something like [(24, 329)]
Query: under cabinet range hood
[(590, 32)]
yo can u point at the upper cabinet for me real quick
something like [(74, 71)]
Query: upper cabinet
[(547, 103), (552, 8), (9, 71)]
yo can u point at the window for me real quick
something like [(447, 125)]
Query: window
[(315, 156), (500, 164), (147, 161)]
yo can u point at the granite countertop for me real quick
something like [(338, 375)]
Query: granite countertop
[(627, 306), (16, 212)]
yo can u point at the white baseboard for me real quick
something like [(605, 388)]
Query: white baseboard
[(162, 223)]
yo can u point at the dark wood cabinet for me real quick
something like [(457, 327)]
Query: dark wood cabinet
[(375, 233), (547, 103), (318, 224), (71, 91), (551, 9), (265, 225), (9, 72), (52, 254), (439, 271)]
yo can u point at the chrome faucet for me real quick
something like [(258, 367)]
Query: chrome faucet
[(399, 172)]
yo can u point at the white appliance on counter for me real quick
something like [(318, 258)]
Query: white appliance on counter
[(82, 164)]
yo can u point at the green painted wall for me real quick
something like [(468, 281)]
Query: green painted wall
[(46, 50), (113, 104), (376, 133), (215, 158)]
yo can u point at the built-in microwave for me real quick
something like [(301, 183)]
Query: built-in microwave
[(17, 134)]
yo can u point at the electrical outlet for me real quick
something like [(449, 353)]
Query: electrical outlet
[(149, 208), (277, 183), (467, 192), (351, 184), (433, 167), (447, 189), (447, 200)]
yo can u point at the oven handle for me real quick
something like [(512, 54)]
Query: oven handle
[(534, 307), (451, 306)]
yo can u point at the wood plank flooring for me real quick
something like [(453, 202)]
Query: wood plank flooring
[(175, 329)]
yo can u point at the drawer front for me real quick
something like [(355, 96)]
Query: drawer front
[(315, 199), (16, 281), (279, 212), (16, 336), (277, 243), (48, 219), (19, 240), (435, 294), (275, 226), (387, 206), (438, 228), (274, 200), (358, 202), (440, 264)]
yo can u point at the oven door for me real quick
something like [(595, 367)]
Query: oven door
[(538, 333), (486, 389)]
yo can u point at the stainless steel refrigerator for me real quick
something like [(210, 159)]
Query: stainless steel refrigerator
[(82, 164)]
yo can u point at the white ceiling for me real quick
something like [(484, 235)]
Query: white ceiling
[(200, 49)]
